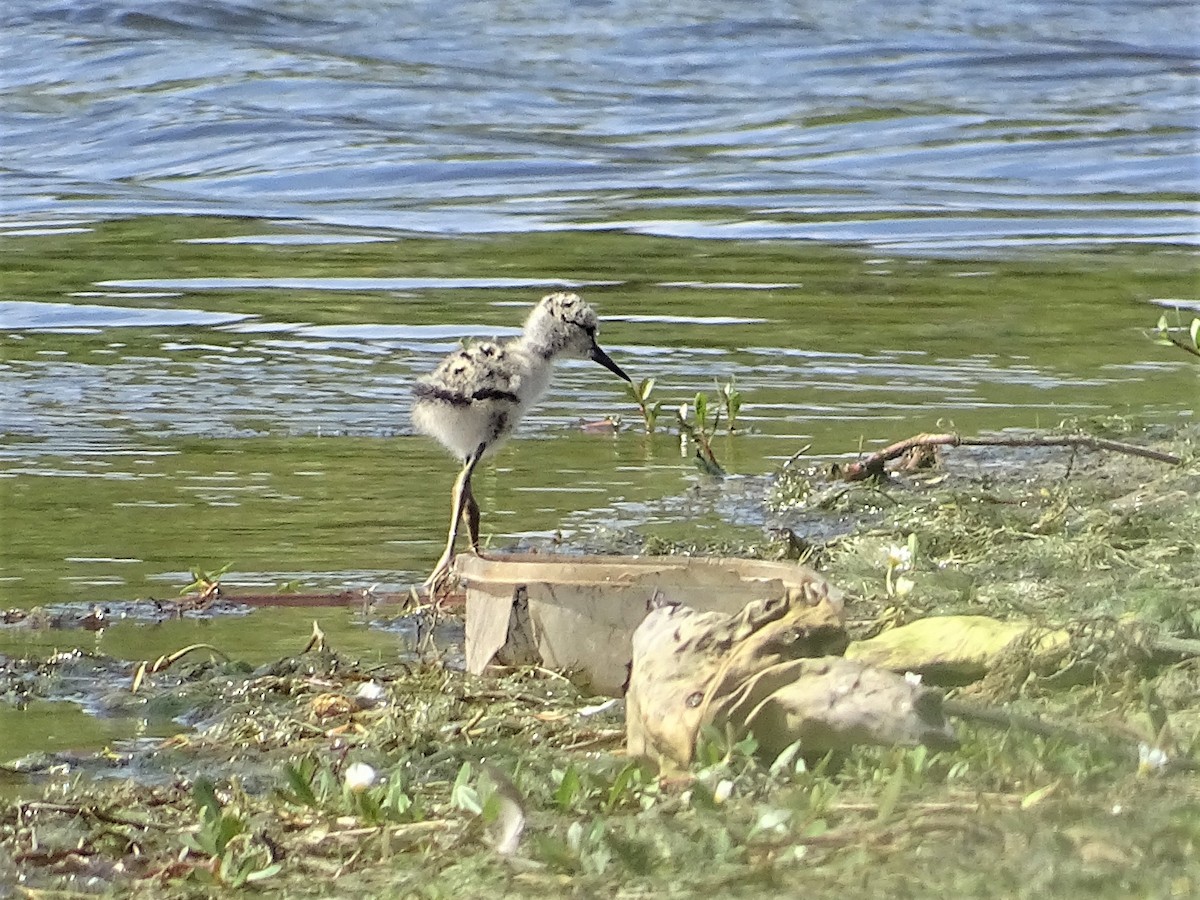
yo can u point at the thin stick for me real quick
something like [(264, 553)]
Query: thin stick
[(1178, 342), (1117, 747), (71, 809), (1176, 647)]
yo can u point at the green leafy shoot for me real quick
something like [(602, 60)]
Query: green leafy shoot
[(462, 795), (641, 396), (225, 836), (1165, 334), (731, 399), (206, 584), (694, 426)]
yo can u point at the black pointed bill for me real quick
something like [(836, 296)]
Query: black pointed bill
[(598, 355)]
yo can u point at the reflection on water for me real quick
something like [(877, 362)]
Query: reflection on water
[(236, 232), (242, 378), (147, 434), (918, 126)]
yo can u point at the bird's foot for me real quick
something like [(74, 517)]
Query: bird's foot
[(441, 581)]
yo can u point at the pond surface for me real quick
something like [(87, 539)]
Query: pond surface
[(919, 126), (145, 435), (234, 234)]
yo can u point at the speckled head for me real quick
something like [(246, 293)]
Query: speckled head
[(563, 325)]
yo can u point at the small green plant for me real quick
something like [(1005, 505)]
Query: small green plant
[(694, 425), (641, 396), (716, 748), (632, 787), (629, 787), (299, 777), (731, 399), (206, 584), (900, 560), (582, 850), (359, 791), (462, 795), (225, 837), (1164, 333)]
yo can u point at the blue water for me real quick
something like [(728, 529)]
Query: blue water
[(914, 126)]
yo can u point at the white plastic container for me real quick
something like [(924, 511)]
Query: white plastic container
[(577, 614)]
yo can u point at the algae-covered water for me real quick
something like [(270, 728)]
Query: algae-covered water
[(164, 410), (234, 234)]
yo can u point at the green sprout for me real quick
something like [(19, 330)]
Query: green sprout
[(694, 425), (641, 396), (206, 584), (224, 835), (731, 399), (1164, 334)]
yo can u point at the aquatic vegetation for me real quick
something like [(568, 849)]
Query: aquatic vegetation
[(640, 393), (731, 400), (207, 584), (698, 429), (1165, 334)]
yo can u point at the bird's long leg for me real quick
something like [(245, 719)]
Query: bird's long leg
[(440, 575), (471, 515)]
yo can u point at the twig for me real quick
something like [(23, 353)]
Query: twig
[(600, 739), (1181, 344), (404, 830), (1119, 748), (871, 466), (863, 834), (986, 802), (71, 809), (1005, 718), (1175, 647), (165, 661)]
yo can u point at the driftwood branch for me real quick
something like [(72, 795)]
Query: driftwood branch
[(871, 466)]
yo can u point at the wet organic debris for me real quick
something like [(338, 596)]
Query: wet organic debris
[(418, 781), (1045, 533), (378, 777), (324, 776)]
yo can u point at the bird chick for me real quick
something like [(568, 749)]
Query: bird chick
[(476, 396)]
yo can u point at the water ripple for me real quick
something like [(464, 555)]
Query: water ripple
[(699, 121)]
